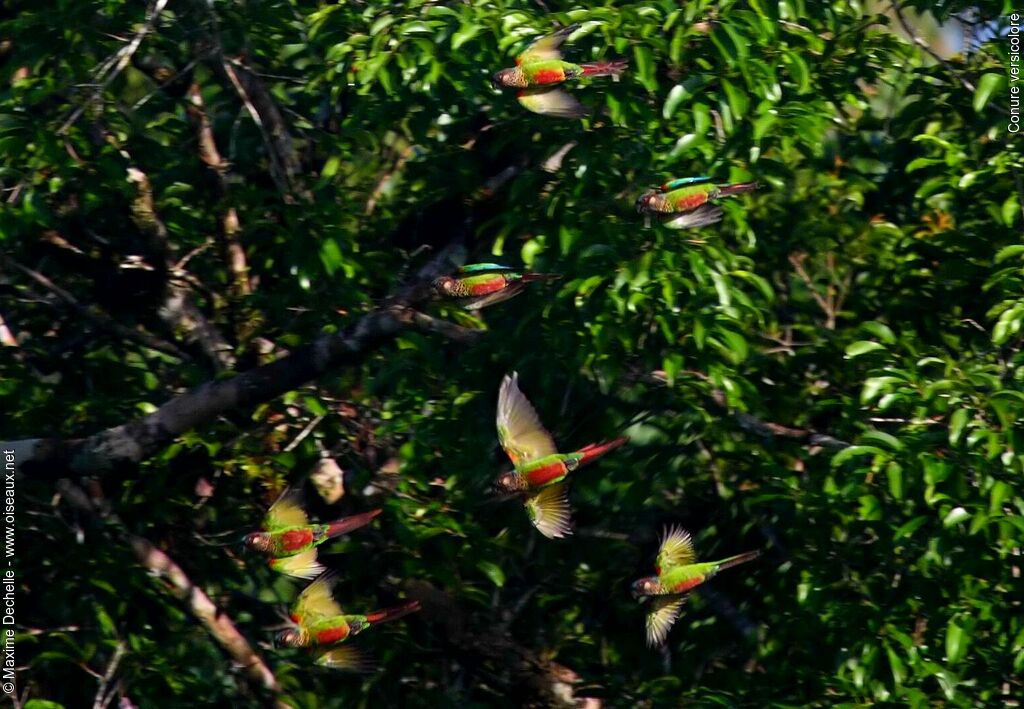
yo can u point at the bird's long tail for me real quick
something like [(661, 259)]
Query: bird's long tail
[(737, 560), (729, 190), (596, 450), (347, 524), (527, 277), (612, 68), (386, 614)]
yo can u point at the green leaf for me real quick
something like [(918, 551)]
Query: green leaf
[(957, 640), (957, 422), (955, 516), (862, 347), (493, 572), (987, 85)]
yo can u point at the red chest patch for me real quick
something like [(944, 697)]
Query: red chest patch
[(487, 287), (542, 476), (548, 76), (296, 539), (690, 202), (332, 635), (687, 585)]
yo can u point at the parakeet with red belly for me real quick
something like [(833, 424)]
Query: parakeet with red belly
[(685, 203), (291, 541), (540, 69), (319, 622), (540, 470), (677, 573), (478, 285)]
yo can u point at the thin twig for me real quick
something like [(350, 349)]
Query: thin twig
[(117, 62)]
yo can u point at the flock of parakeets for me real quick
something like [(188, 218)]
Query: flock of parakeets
[(540, 472)]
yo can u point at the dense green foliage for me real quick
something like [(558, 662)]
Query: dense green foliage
[(871, 291)]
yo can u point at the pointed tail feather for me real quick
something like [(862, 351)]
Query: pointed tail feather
[(737, 560), (596, 450), (527, 277), (347, 524), (386, 614), (729, 190), (612, 68)]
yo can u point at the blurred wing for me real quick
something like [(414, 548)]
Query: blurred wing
[(682, 182), (491, 298), (302, 565), (661, 616), (519, 429), (549, 512), (317, 601), (286, 512), (484, 267), (701, 216), (676, 550), (345, 657), (552, 102), (546, 47)]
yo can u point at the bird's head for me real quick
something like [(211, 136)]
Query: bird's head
[(257, 541), (443, 285), (293, 637), (644, 587), (644, 200), (508, 483), (504, 78)]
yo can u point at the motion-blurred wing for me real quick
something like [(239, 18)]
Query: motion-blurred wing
[(286, 512), (701, 216), (345, 657), (676, 550), (491, 298), (316, 601), (484, 268), (546, 47), (555, 102), (519, 428), (549, 511), (302, 565), (661, 616)]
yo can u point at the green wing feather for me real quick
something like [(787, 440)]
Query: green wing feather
[(519, 429), (479, 267), (546, 47), (676, 550), (286, 512), (681, 182), (549, 511), (317, 601), (661, 616)]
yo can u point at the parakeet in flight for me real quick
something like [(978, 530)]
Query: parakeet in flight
[(291, 541), (540, 69), (320, 623), (677, 573), (478, 285), (540, 470), (685, 203)]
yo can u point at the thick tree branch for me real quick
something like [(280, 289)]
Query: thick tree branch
[(216, 621)]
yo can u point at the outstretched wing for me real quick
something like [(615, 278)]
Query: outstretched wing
[(555, 102), (702, 216), (316, 601), (519, 429), (302, 565), (286, 512), (549, 511), (676, 550), (345, 657), (546, 47), (661, 616)]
